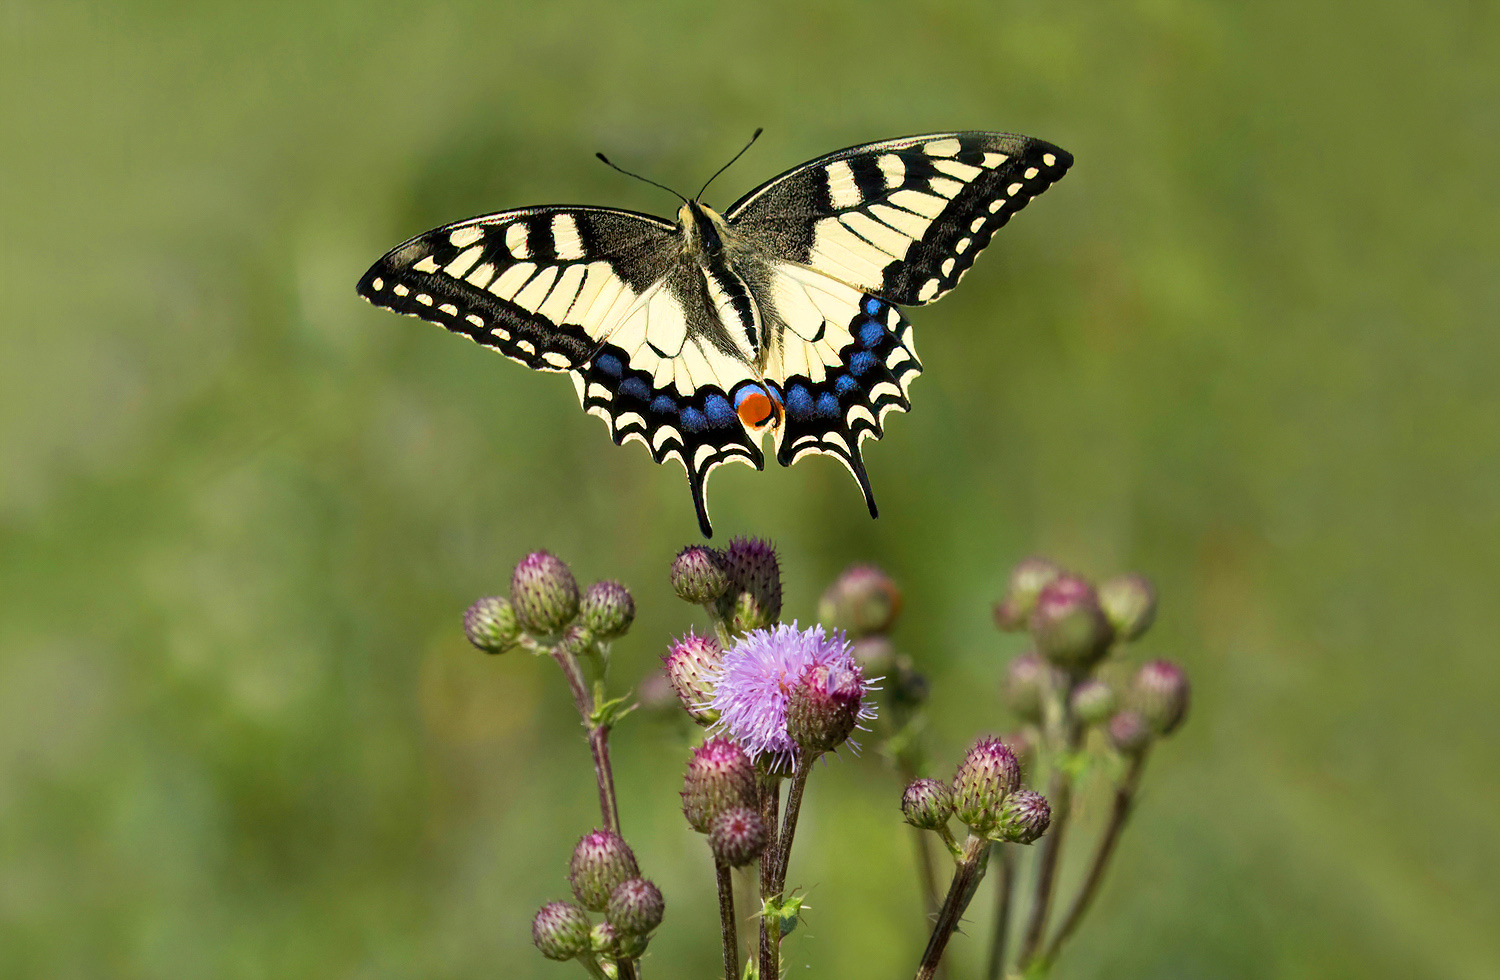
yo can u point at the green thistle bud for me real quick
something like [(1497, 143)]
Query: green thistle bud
[(700, 574), (1068, 626), (926, 804), (737, 837), (1160, 694), (560, 930), (1093, 701), (988, 774), (691, 665), (601, 861), (753, 600), (861, 601), (1129, 602), (824, 705), (1024, 817), (1027, 580), (1129, 733), (490, 624), (635, 907), (719, 777), (602, 939), (1024, 689), (607, 610), (544, 594)]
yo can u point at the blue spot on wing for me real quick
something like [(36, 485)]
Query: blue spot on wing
[(799, 402), (609, 364), (694, 420), (635, 388), (862, 363), (871, 332), (872, 305), (828, 406), (718, 410), (845, 384), (664, 405)]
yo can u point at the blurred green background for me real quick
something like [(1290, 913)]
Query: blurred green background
[(1248, 347)]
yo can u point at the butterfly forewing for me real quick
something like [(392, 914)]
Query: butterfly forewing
[(540, 285), (902, 219)]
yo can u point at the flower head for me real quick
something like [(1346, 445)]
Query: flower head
[(544, 593), (691, 665), (737, 837), (758, 676), (607, 609), (1024, 817), (600, 862), (560, 930), (1161, 695)]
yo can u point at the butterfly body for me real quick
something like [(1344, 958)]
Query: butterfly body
[(698, 337)]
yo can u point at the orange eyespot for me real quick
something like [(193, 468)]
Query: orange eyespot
[(756, 409)]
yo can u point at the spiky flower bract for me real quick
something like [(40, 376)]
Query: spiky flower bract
[(737, 837), (560, 930), (758, 675), (1024, 817), (607, 609), (720, 776)]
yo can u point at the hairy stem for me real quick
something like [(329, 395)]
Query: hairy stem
[(1005, 885), (1119, 813), (966, 877), (789, 824), (770, 931), (598, 735), (727, 927)]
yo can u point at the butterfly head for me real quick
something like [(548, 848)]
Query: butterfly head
[(703, 230)]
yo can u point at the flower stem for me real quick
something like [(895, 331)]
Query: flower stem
[(1060, 795), (789, 825), (1119, 813), (1005, 885), (966, 877), (598, 735), (770, 931), (726, 921)]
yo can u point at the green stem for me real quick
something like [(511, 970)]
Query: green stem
[(598, 734), (1119, 813), (770, 931), (727, 927), (966, 877), (789, 824), (1060, 796)]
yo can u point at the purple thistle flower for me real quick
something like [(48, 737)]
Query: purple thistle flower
[(756, 679)]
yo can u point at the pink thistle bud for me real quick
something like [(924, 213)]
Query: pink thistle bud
[(544, 594), (700, 574), (862, 601), (720, 777), (1160, 694), (1024, 817), (692, 665), (988, 774), (635, 907), (1024, 689), (560, 930), (600, 862), (1129, 602), (927, 804), (1093, 701), (607, 610), (753, 599), (490, 624), (1027, 580), (823, 707), (1129, 733), (1068, 626), (737, 837)]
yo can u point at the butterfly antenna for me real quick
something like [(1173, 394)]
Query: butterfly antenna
[(653, 183), (726, 166)]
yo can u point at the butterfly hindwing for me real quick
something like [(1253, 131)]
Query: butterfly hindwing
[(540, 285), (902, 219), (845, 362)]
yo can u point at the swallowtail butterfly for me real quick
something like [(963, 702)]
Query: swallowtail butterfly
[(697, 336)]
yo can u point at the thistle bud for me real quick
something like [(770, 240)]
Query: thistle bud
[(635, 907), (490, 624), (607, 610), (1093, 701), (1160, 694), (602, 939), (753, 599), (1024, 817), (1068, 626), (720, 777), (1024, 689), (926, 804), (560, 930), (1129, 602), (699, 574), (823, 707), (988, 774), (1027, 580), (691, 665), (1129, 733), (544, 593), (861, 601), (601, 861), (737, 837)]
